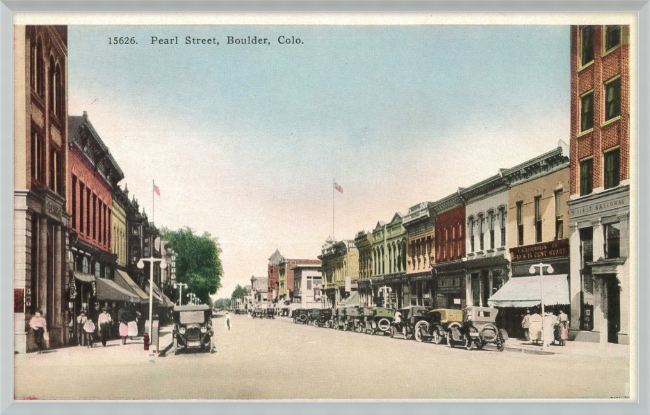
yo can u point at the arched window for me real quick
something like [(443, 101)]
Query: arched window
[(51, 82), (58, 92), (40, 68)]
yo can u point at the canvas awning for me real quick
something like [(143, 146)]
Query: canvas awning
[(123, 280), (158, 297), (351, 301), (525, 292), (108, 290), (82, 276)]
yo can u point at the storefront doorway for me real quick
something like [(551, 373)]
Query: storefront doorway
[(613, 309)]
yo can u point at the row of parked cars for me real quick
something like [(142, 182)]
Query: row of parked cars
[(473, 327)]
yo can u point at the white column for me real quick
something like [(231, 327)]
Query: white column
[(41, 304), (57, 285), (574, 277)]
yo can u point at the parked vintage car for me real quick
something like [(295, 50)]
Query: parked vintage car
[(366, 319), (477, 329), (301, 315), (314, 316), (352, 318), (435, 328), (411, 316), (192, 328), (339, 322), (382, 319), (324, 317)]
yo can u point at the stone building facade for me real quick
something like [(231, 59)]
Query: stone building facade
[(419, 223), (363, 242), (41, 219), (600, 183), (340, 267)]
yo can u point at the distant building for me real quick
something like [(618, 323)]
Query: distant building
[(285, 277), (259, 289), (389, 261), (308, 284), (600, 183), (274, 274), (420, 223), (340, 261), (363, 242)]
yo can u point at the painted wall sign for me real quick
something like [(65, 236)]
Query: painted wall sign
[(539, 251)]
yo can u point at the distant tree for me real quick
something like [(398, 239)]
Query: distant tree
[(197, 262), (239, 292), (222, 303)]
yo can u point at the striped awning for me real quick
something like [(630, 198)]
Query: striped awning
[(527, 291)]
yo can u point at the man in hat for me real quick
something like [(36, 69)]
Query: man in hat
[(104, 323), (81, 321), (525, 324)]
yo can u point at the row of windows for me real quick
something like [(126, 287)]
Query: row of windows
[(612, 39), (55, 80), (612, 108), (39, 162), (538, 224), (611, 246), (98, 228), (611, 170), (479, 223), (452, 242)]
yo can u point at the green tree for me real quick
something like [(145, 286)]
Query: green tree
[(197, 262), (222, 303), (239, 292)]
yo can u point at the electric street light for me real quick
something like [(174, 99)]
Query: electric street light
[(180, 294), (532, 270), (163, 265)]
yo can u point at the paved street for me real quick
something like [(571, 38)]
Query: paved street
[(276, 359)]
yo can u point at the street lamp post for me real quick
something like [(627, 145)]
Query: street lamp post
[(385, 289), (163, 265), (192, 298), (533, 270), (180, 293)]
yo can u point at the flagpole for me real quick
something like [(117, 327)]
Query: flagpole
[(153, 201), (333, 209)]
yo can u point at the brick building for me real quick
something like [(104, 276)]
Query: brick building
[(274, 274), (419, 223), (41, 220), (600, 186), (449, 245)]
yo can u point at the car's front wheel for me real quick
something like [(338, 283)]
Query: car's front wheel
[(420, 328)]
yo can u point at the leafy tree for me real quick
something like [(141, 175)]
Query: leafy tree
[(239, 292), (222, 303), (197, 262)]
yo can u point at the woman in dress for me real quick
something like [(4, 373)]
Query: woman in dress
[(124, 331)]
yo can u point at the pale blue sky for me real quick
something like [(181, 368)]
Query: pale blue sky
[(244, 141)]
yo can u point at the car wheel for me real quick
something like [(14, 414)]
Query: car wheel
[(420, 328), (450, 341), (436, 336), (383, 324)]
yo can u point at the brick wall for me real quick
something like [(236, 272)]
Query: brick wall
[(605, 66), (450, 225)]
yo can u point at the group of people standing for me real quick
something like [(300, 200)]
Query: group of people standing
[(87, 329), (555, 326)]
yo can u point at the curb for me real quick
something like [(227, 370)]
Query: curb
[(527, 351)]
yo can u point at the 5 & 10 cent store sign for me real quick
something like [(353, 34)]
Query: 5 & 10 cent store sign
[(539, 251)]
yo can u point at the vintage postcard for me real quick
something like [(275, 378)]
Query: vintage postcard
[(334, 207)]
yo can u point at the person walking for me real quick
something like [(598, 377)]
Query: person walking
[(228, 325), (124, 331), (81, 321), (89, 330), (563, 323), (104, 323), (39, 327), (525, 324)]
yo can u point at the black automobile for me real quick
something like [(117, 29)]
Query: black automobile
[(301, 315), (410, 317), (193, 328)]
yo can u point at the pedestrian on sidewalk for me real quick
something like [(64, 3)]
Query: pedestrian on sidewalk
[(39, 326), (81, 335), (89, 329), (563, 327), (124, 331), (525, 324), (228, 325), (104, 323)]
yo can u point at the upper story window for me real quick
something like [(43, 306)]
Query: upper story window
[(612, 240), (38, 156), (559, 215), (85, 265), (503, 226), (481, 235), (56, 171), (587, 111), (81, 207), (520, 223), (74, 202), (538, 219), (612, 37), (586, 176), (586, 45), (612, 168), (613, 98), (471, 234), (37, 69), (491, 224)]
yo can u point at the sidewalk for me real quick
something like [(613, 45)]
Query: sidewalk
[(570, 348)]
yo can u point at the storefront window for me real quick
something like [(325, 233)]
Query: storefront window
[(520, 224), (587, 245), (612, 240), (98, 270), (559, 217), (85, 265)]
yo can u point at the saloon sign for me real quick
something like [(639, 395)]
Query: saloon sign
[(539, 251)]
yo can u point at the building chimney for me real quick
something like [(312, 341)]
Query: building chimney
[(86, 114)]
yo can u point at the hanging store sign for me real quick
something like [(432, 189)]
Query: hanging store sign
[(19, 300), (540, 251)]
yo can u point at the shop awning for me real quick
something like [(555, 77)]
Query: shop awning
[(82, 276), (351, 301), (158, 297), (525, 292), (123, 280), (108, 290)]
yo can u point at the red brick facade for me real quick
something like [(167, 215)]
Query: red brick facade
[(290, 263), (91, 213), (274, 275), (450, 235), (593, 76)]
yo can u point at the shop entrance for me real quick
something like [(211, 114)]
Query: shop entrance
[(613, 309)]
